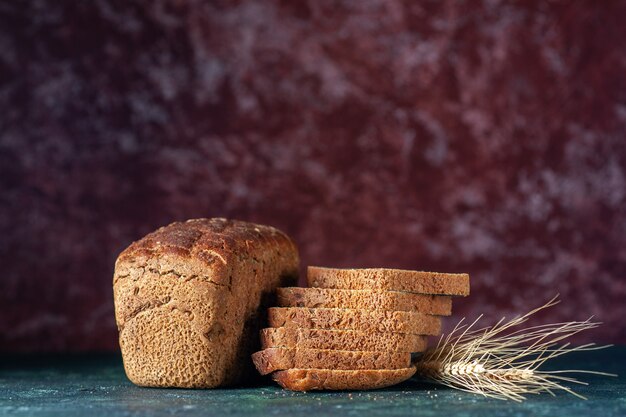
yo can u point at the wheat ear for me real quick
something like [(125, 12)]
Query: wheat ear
[(501, 361)]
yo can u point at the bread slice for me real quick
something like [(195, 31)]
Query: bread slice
[(351, 319), (188, 296), (364, 300), (389, 279), (276, 359), (289, 337), (327, 379)]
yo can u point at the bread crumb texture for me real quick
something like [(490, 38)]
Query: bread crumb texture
[(353, 319), (289, 337), (421, 282), (325, 379), (364, 299), (275, 359)]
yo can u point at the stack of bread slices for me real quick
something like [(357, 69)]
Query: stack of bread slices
[(354, 328)]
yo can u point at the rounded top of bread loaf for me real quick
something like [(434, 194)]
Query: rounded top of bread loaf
[(206, 241)]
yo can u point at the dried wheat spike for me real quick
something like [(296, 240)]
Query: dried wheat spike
[(501, 361)]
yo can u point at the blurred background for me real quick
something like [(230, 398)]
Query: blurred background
[(486, 137)]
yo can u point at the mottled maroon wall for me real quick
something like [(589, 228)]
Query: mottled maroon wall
[(486, 137)]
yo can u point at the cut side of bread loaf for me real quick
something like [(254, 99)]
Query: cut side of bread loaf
[(326, 379), (289, 337), (352, 319), (277, 359), (364, 300), (389, 279), (188, 297)]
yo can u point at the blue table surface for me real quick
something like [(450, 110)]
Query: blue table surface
[(88, 385)]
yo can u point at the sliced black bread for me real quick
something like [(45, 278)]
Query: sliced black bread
[(352, 319), (277, 359), (389, 279), (289, 337), (327, 379), (364, 300)]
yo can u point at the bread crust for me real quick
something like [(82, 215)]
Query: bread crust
[(352, 319), (188, 296), (440, 305), (389, 279), (327, 379)]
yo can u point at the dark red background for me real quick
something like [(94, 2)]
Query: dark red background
[(486, 137)]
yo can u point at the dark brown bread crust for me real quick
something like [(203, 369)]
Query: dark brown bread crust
[(187, 300), (354, 340), (389, 279), (326, 379), (351, 319), (277, 359), (440, 305)]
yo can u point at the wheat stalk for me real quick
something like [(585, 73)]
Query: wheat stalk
[(501, 362)]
